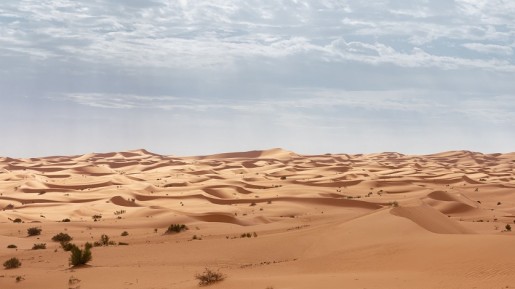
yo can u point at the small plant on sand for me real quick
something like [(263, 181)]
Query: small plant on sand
[(17, 220), (508, 228), (104, 241), (80, 256), (209, 277), (124, 233), (66, 220), (34, 231), (12, 246), (12, 263), (62, 237), (176, 228), (19, 279), (67, 246), (96, 217), (39, 246)]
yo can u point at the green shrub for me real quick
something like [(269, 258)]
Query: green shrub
[(34, 231), (176, 228), (62, 237), (80, 257), (12, 263), (67, 246), (39, 246), (209, 277), (12, 246)]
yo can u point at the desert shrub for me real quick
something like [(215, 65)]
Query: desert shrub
[(39, 246), (80, 256), (124, 233), (209, 277), (104, 240), (120, 212), (176, 228), (34, 231), (12, 263), (62, 237), (96, 217), (66, 220), (12, 246), (19, 278), (17, 220), (508, 227), (67, 246), (123, 244)]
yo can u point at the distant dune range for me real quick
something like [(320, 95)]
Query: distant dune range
[(384, 220)]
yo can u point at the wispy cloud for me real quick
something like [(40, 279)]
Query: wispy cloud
[(489, 48), (199, 33)]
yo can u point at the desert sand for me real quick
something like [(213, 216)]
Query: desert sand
[(383, 220)]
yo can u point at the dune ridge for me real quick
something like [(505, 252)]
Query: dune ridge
[(366, 220)]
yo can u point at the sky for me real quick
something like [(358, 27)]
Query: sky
[(193, 77)]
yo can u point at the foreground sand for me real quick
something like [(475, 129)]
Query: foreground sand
[(325, 221)]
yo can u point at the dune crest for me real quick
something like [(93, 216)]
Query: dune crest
[(268, 218)]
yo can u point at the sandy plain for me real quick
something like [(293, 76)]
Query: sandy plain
[(382, 220)]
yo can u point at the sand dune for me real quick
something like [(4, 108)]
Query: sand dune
[(384, 220)]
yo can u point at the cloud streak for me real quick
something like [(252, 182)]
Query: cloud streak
[(198, 33)]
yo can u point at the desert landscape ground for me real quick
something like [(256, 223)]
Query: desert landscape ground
[(265, 219)]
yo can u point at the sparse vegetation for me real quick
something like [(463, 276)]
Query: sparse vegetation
[(12, 263), (96, 217), (19, 279), (104, 241), (66, 220), (62, 237), (67, 246), (394, 204), (176, 228), (508, 227), (209, 277), (248, 235), (34, 231), (124, 233), (17, 220), (39, 246), (12, 246), (80, 256)]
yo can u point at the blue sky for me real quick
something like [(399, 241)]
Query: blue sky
[(197, 77)]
